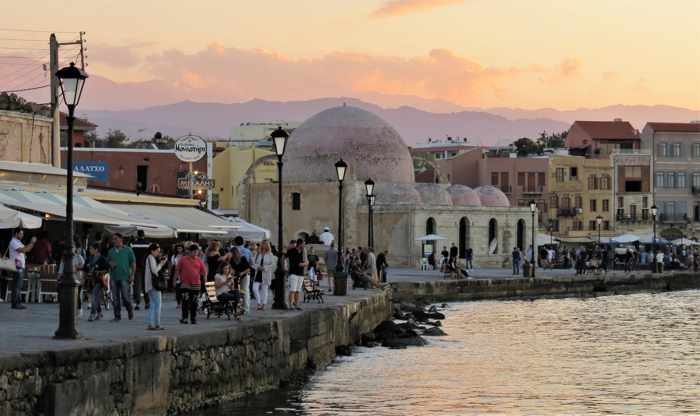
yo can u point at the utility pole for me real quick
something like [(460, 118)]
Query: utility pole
[(55, 112), (55, 99)]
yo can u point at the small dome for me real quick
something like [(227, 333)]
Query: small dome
[(492, 197), (434, 194), (396, 194), (464, 196)]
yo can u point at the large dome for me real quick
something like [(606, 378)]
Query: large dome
[(369, 145), (464, 196)]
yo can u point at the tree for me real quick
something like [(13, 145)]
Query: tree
[(525, 146), (553, 141), (13, 102), (115, 138)]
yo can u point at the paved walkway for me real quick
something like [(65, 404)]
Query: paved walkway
[(32, 329)]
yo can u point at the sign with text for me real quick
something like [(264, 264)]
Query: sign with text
[(190, 148), (98, 169), (196, 182)]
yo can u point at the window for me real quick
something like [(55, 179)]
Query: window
[(540, 179), (573, 173), (606, 205), (660, 183), (604, 182), (696, 150), (645, 202), (578, 202), (670, 180), (676, 150), (696, 180), (591, 225), (661, 150), (554, 201), (296, 201), (606, 225), (521, 179), (531, 181), (592, 182), (565, 202), (633, 186), (505, 182), (494, 178), (593, 205), (681, 180), (560, 174), (578, 225)]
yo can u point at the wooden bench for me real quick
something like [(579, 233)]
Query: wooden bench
[(216, 307)]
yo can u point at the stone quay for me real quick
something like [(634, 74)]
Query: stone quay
[(122, 369)]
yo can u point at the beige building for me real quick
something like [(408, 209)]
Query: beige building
[(25, 137), (237, 165), (480, 219)]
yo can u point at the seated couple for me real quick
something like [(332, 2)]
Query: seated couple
[(228, 286)]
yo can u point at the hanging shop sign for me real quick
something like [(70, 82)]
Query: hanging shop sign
[(190, 148), (194, 182)]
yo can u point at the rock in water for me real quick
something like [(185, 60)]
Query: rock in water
[(415, 341), (434, 332), (436, 315), (434, 323)]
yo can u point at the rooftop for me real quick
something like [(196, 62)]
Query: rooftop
[(80, 124), (675, 127), (39, 168), (617, 129)]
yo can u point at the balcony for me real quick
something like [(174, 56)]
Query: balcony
[(538, 189), (673, 218), (695, 190), (568, 212)]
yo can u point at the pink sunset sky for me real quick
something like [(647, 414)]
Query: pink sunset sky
[(474, 53)]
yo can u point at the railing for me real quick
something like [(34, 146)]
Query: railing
[(695, 190), (568, 212), (673, 217), (538, 189)]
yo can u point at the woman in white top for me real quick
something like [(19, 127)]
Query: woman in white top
[(264, 264), (153, 265)]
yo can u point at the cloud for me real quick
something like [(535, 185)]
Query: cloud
[(401, 7), (123, 56), (223, 74)]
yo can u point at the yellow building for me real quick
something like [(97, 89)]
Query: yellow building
[(235, 165), (580, 190)]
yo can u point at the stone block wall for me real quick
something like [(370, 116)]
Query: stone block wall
[(161, 375)]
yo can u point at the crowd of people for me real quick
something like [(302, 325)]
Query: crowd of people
[(124, 275)]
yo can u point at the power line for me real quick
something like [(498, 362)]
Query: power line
[(30, 31), (29, 89), (24, 40)]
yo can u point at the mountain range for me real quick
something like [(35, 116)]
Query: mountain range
[(493, 126)]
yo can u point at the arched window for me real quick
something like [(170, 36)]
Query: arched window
[(430, 226), (493, 236), (463, 237)]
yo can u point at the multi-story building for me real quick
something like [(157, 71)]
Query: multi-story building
[(675, 149), (522, 179), (632, 189), (600, 139), (580, 190)]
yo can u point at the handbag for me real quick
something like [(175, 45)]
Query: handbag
[(7, 263), (157, 279)]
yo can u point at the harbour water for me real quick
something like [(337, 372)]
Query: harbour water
[(633, 354)]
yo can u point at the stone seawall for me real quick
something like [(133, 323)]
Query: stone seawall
[(482, 289), (177, 374)]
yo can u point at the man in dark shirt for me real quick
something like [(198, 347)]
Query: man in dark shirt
[(140, 248), (454, 252), (41, 253), (382, 265), (297, 262), (516, 261)]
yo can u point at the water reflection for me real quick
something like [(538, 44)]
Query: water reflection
[(634, 354)]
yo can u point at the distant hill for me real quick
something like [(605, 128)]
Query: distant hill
[(216, 120)]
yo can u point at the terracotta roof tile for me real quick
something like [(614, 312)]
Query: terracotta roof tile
[(675, 127), (608, 129)]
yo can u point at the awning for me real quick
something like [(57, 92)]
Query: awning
[(84, 209), (249, 232), (10, 218), (179, 219), (574, 240), (431, 237), (545, 240), (626, 238)]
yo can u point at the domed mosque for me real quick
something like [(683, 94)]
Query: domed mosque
[(480, 219)]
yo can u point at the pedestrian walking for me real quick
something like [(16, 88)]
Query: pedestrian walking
[(265, 265), (297, 262), (140, 248), (122, 268), (516, 261), (17, 251), (192, 276), (331, 260), (154, 285)]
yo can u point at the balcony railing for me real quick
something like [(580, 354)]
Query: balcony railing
[(695, 190), (670, 218), (568, 212), (537, 189)]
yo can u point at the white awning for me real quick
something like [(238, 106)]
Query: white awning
[(179, 219), (84, 209), (10, 218), (248, 231)]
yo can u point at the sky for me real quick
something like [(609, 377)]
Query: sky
[(472, 53)]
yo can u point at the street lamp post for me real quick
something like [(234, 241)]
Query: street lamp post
[(341, 285), (71, 80), (653, 241), (369, 187), (599, 221), (533, 208), (372, 200), (279, 141)]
